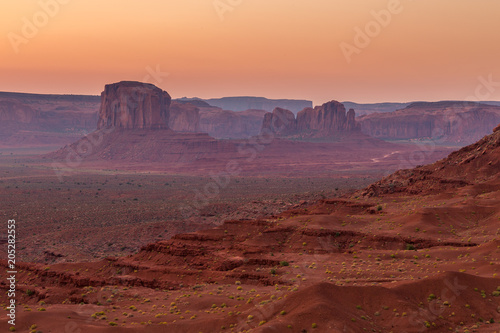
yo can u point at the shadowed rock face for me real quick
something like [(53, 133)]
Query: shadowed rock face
[(280, 121), (134, 105), (447, 122), (184, 117), (32, 120), (225, 124), (327, 120), (16, 112)]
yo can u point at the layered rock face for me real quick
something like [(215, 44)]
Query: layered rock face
[(225, 124), (448, 122), (477, 163), (134, 127), (13, 111), (184, 117), (327, 120), (31, 120), (198, 116), (134, 105), (281, 122)]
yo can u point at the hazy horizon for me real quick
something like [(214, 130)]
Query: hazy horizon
[(421, 51), (277, 98)]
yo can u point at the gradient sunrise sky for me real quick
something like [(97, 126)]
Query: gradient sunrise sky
[(429, 50)]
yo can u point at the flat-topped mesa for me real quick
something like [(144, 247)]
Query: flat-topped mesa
[(327, 120), (134, 105), (448, 122)]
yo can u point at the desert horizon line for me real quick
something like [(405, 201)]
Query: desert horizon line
[(257, 96)]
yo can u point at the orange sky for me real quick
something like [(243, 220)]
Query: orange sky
[(429, 50)]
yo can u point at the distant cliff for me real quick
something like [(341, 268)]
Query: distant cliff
[(367, 108), (32, 120), (449, 122), (254, 103), (225, 124), (184, 117), (325, 121)]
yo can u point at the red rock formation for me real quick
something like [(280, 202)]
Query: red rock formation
[(134, 105), (29, 120), (447, 122), (184, 117), (351, 121), (328, 120), (474, 164), (133, 127), (224, 124), (280, 121)]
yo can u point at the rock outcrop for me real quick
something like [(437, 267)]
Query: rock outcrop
[(184, 117), (325, 121), (134, 105), (31, 120), (281, 122), (477, 163), (447, 122), (225, 124), (133, 127), (198, 116)]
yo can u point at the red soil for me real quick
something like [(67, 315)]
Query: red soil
[(422, 258), (200, 154)]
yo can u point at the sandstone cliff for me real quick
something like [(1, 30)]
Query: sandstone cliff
[(281, 122), (134, 105), (325, 121), (31, 120), (478, 163), (446, 122), (225, 124), (198, 116), (184, 117)]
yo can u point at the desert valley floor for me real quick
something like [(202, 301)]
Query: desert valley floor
[(417, 251)]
